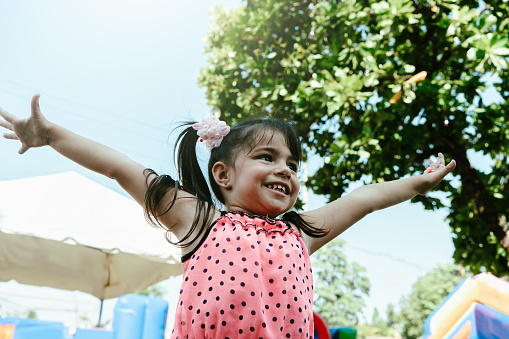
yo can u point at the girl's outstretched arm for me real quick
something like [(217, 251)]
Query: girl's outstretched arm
[(37, 131), (339, 215)]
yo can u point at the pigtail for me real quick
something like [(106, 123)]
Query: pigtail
[(191, 180), (295, 219), (156, 190), (190, 174)]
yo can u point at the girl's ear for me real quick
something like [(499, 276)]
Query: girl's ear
[(222, 174)]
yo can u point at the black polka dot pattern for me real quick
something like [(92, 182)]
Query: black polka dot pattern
[(250, 278)]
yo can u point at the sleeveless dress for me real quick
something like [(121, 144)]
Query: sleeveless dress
[(249, 278)]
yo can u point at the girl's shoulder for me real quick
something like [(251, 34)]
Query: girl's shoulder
[(179, 219)]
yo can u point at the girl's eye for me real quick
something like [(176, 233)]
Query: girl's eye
[(266, 157), (293, 167)]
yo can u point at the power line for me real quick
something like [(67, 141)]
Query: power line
[(86, 117), (136, 122), (89, 118), (386, 255)]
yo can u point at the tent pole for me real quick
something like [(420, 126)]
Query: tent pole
[(100, 314)]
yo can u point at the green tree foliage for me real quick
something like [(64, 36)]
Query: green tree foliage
[(332, 66), (427, 293), (340, 287), (153, 290), (392, 315), (377, 328)]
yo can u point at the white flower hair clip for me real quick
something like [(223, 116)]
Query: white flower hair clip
[(211, 130)]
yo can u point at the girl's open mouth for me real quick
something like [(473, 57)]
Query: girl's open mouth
[(278, 187)]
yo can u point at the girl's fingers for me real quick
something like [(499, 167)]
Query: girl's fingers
[(10, 135), (440, 167), (23, 149), (36, 109), (6, 125), (451, 165), (8, 117), (441, 158)]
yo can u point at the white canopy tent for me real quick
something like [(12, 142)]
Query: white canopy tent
[(68, 232)]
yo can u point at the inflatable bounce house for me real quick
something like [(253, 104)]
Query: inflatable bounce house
[(323, 332), (477, 308), (134, 317)]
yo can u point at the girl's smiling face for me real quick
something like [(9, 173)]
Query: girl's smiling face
[(264, 179)]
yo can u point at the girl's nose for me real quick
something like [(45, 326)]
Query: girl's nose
[(283, 170)]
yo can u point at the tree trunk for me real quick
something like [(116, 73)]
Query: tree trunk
[(473, 190)]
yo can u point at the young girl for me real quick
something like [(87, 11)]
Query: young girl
[(247, 274)]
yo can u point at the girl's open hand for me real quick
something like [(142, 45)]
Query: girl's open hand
[(437, 174), (31, 132)]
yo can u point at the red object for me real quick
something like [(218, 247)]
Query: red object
[(321, 327)]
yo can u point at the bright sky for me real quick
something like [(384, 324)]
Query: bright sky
[(121, 73)]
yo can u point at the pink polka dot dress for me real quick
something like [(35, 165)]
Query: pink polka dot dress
[(249, 278)]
